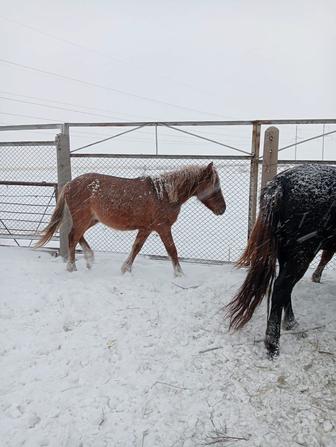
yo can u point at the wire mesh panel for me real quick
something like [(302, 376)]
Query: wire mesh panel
[(28, 162), (24, 211), (198, 233), (28, 172)]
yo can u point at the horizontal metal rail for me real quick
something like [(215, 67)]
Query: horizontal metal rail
[(299, 162), (170, 123), (25, 212), (164, 157), (17, 183), (26, 204), (31, 126), (12, 219), (27, 143), (27, 237), (205, 123)]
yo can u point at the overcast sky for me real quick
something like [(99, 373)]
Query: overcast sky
[(166, 60)]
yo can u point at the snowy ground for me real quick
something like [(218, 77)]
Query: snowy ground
[(94, 358)]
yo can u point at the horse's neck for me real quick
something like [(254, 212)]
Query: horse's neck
[(186, 191)]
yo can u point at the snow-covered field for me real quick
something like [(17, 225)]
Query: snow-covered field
[(94, 358)]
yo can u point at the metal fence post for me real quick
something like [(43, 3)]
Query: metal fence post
[(254, 168), (270, 155), (63, 176)]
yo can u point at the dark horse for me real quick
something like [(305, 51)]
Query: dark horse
[(297, 218), (145, 204)]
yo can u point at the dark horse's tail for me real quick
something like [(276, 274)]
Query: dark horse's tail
[(260, 255), (55, 221)]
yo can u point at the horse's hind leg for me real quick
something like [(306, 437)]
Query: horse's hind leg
[(292, 268), (325, 258), (167, 239), (88, 252), (137, 245), (73, 239), (289, 321)]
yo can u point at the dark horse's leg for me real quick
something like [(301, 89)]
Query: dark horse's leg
[(289, 321), (325, 258), (137, 245), (293, 266), (167, 239)]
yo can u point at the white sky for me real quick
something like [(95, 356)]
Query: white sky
[(172, 60)]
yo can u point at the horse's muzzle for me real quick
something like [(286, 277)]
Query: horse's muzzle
[(220, 211)]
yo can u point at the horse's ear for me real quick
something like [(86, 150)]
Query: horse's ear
[(210, 168)]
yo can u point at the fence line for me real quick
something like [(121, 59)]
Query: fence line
[(43, 164)]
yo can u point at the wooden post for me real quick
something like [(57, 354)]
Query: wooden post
[(270, 156), (63, 176), (254, 167)]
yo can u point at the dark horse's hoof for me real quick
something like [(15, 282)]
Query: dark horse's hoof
[(272, 347), (288, 325), (316, 277)]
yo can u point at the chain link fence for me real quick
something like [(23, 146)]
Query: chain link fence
[(28, 189), (29, 173), (198, 234)]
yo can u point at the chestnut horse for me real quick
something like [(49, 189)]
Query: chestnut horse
[(145, 204), (297, 218)]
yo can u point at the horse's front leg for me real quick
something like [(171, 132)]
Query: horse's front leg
[(167, 239), (137, 245)]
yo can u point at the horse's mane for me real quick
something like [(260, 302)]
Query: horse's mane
[(184, 179)]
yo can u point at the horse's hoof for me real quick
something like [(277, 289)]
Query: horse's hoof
[(89, 261), (272, 347), (126, 268), (178, 272), (71, 267), (316, 278), (289, 325)]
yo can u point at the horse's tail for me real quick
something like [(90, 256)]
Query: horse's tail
[(260, 255), (55, 220)]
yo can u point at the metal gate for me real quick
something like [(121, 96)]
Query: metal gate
[(28, 189)]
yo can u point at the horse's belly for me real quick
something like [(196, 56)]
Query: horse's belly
[(123, 219)]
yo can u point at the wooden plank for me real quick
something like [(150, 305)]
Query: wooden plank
[(63, 176), (270, 155), (254, 169)]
